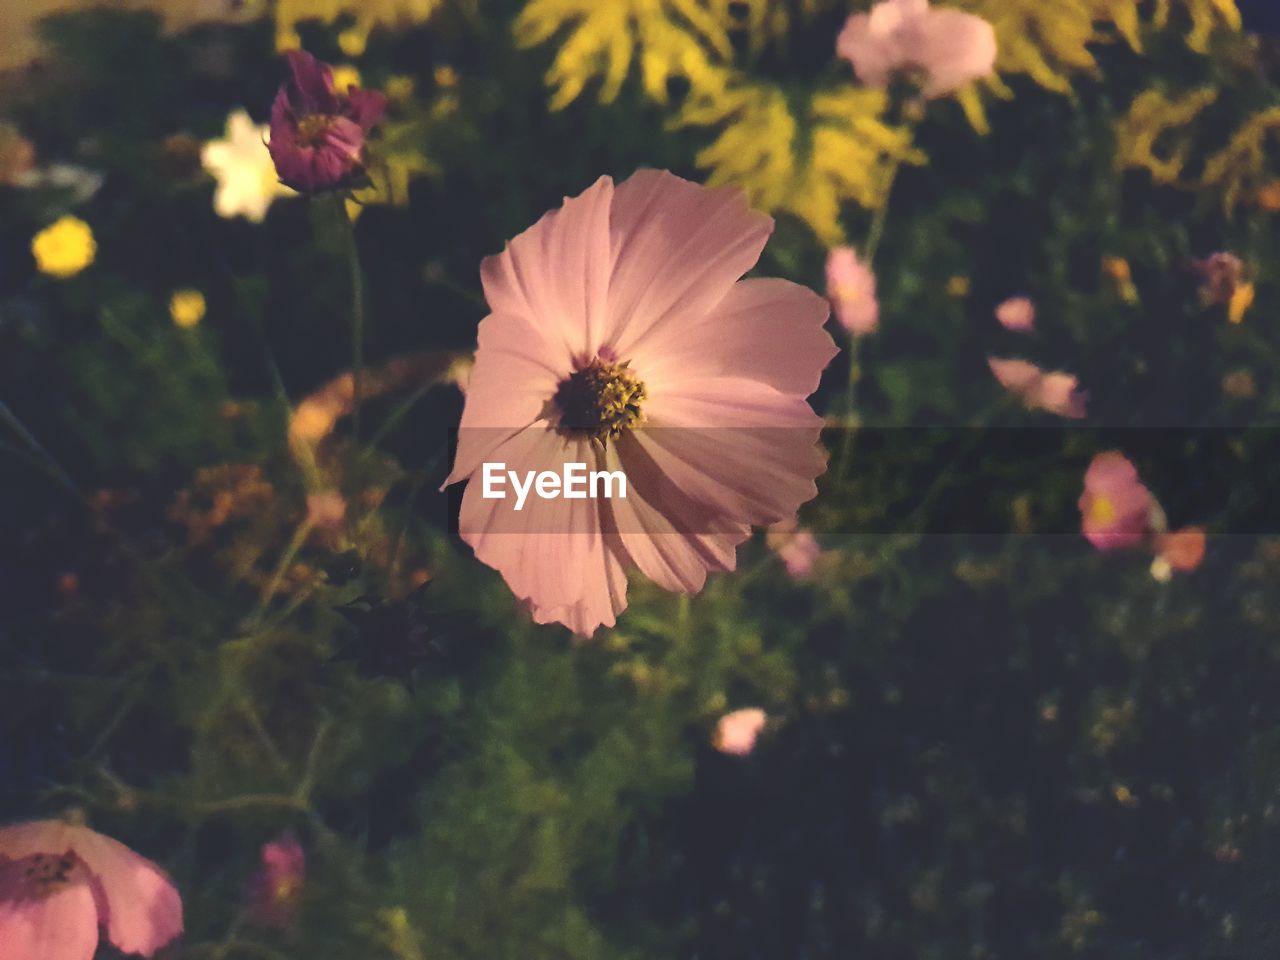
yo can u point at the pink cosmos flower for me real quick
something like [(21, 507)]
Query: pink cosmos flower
[(851, 288), (947, 47), (60, 882), (1017, 313), (278, 883), (1182, 550), (737, 732), (1116, 509), (797, 549), (622, 338), (1056, 392), (318, 133)]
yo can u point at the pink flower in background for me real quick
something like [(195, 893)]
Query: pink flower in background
[(1220, 275), (1116, 509), (1017, 313), (948, 47), (622, 338), (326, 510), (1182, 550), (851, 288), (797, 549), (318, 133), (1055, 392), (277, 888), (737, 732), (60, 882)]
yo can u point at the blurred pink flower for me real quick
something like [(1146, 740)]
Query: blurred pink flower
[(318, 133), (1220, 275), (797, 549), (851, 288), (326, 510), (1116, 510), (1056, 392), (60, 882), (737, 732), (1017, 313), (1182, 550), (277, 887), (622, 338), (948, 47)]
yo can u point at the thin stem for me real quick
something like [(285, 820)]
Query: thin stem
[(286, 560), (357, 314)]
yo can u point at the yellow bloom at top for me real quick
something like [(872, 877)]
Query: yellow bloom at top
[(64, 248), (186, 307)]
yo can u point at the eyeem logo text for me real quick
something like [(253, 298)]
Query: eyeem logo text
[(575, 482)]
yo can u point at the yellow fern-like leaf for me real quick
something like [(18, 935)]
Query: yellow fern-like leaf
[(842, 151), (367, 13), (1153, 134), (1240, 168)]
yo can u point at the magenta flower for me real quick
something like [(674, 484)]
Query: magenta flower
[(1116, 510), (851, 288), (318, 133), (1055, 392), (622, 338), (1017, 313), (60, 882), (277, 886), (946, 47), (737, 732)]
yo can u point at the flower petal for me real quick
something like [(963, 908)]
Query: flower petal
[(955, 47), (62, 925), (678, 249), (553, 553), (514, 378), (765, 330), (556, 274)]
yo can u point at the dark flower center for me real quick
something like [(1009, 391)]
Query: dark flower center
[(600, 400), (46, 874), (312, 129)]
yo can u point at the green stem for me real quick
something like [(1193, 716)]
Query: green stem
[(357, 314)]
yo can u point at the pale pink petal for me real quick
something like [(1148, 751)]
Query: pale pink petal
[(144, 911), (737, 338), (738, 446), (873, 59), (1055, 392), (555, 275), (736, 733), (1116, 508), (58, 925), (514, 377), (672, 538), (552, 553), (955, 48), (1017, 313), (851, 288), (678, 249)]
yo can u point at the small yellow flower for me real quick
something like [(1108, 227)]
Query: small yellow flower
[(353, 42), (186, 307), (958, 287), (64, 248), (399, 87), (344, 76), (1241, 301), (445, 77)]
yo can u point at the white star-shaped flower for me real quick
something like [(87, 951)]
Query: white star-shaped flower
[(241, 163)]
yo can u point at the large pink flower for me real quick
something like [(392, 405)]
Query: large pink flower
[(1053, 392), (1116, 510), (59, 882), (622, 337), (948, 47)]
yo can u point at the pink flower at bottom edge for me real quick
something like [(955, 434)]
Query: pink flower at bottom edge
[(736, 732), (1053, 392), (622, 338), (797, 549), (1116, 509), (60, 881), (277, 886)]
